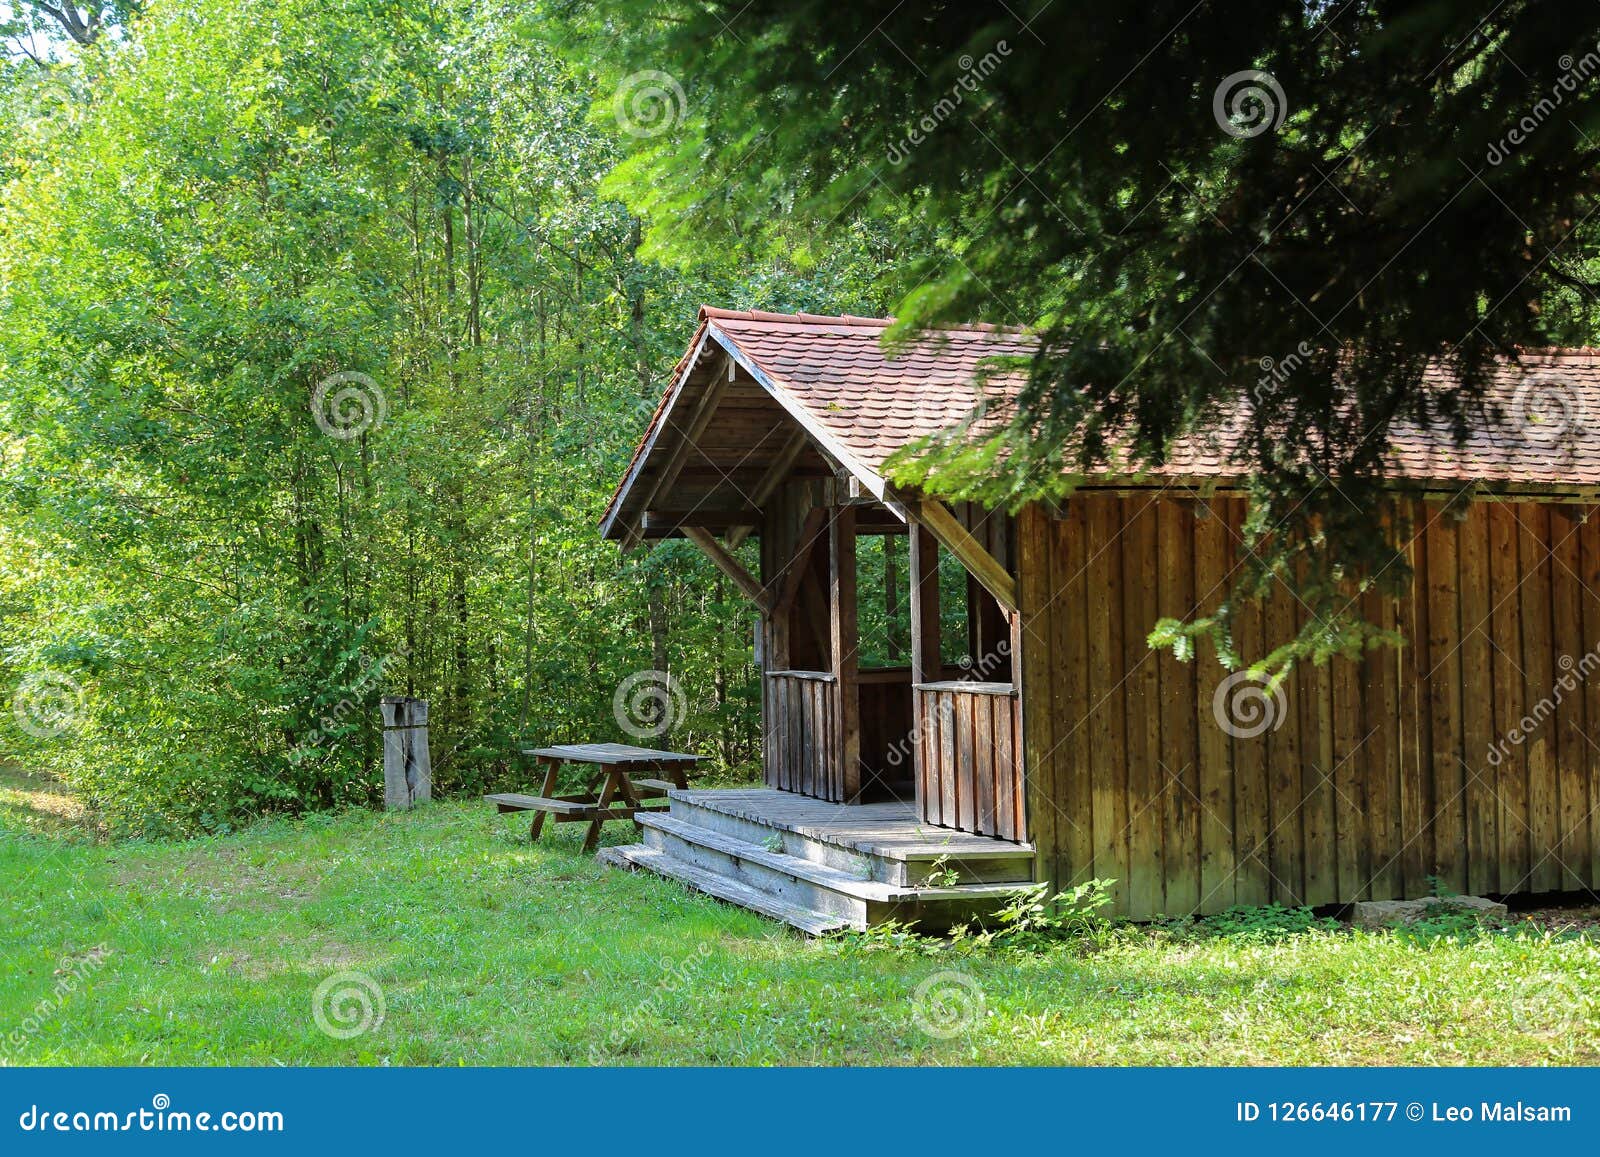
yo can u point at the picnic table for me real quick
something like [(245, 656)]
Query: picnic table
[(615, 790)]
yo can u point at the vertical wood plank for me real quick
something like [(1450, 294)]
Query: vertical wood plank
[(1477, 710), (1180, 772), (1416, 832), (1572, 849), (1289, 756), (1382, 720), (1035, 672), (1256, 809), (1009, 826), (948, 726), (1538, 666), (769, 724), (983, 777), (1215, 753), (1589, 553), (1441, 588), (1146, 779), (925, 666), (778, 731), (846, 749), (1110, 766), (1352, 844), (1071, 734), (1506, 631), (1315, 685)]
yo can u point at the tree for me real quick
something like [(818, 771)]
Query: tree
[(322, 355), (1176, 197)]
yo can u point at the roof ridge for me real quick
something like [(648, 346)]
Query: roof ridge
[(713, 313)]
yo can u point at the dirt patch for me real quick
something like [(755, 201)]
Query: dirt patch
[(1581, 920), (222, 876), (319, 958)]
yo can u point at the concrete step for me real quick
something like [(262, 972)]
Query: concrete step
[(722, 887), (997, 862), (856, 897)]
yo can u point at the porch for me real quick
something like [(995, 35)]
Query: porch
[(886, 633)]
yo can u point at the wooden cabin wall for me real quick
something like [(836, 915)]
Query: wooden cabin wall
[(1379, 776)]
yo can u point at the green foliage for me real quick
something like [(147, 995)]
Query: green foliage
[(1269, 923), (1033, 921), (202, 219), (1289, 264), (1456, 923), (1036, 920)]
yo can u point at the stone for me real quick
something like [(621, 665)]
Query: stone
[(1386, 913)]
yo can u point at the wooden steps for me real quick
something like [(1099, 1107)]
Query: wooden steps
[(812, 882), (638, 856), (887, 838)]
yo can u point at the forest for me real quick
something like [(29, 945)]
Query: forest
[(324, 348), (329, 328)]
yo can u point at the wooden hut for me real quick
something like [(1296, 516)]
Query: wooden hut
[(1056, 746)]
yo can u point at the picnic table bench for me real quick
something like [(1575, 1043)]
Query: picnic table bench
[(615, 791)]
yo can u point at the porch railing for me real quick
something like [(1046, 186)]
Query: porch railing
[(802, 720), (969, 773)]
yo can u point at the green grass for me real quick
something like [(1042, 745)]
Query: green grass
[(489, 951)]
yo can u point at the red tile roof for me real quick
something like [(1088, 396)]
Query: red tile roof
[(868, 402), (871, 401)]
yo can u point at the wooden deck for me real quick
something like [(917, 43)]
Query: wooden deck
[(890, 831)]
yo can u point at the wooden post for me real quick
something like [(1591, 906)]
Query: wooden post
[(891, 598), (925, 663), (845, 645), (407, 765)]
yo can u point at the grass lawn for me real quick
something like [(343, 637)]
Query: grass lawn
[(485, 950)]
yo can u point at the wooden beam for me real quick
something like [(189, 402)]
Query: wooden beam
[(982, 565), (715, 387), (655, 523), (811, 532), (845, 641), (729, 566), (771, 480)]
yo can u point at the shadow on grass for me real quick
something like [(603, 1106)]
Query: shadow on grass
[(37, 804)]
